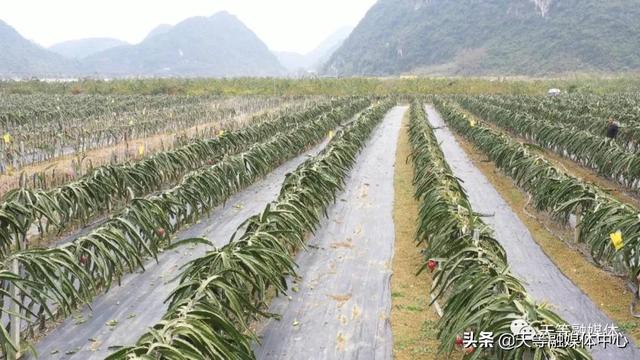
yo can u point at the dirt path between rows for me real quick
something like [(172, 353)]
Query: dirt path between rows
[(340, 304), (413, 321), (543, 280)]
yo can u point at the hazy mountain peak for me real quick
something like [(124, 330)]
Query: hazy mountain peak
[(222, 14), (7, 31), (79, 49), (219, 45), (316, 57), (158, 30)]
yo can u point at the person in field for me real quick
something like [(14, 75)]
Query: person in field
[(612, 128)]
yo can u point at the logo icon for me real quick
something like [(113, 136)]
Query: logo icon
[(522, 329)]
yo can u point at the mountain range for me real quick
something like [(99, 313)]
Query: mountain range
[(20, 57), (315, 59), (216, 46), (79, 49), (492, 37), (396, 37)]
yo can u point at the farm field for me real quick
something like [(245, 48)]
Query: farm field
[(403, 222), (54, 139)]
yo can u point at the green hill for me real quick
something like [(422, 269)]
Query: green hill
[(21, 58), (217, 46), (491, 37)]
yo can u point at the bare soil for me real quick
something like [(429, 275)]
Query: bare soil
[(413, 321)]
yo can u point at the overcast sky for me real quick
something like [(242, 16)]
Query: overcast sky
[(285, 25)]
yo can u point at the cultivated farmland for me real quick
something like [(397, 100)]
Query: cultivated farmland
[(390, 224)]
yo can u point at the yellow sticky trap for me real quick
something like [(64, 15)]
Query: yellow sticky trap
[(141, 150), (221, 132), (130, 122), (472, 123), (616, 240), (7, 138), (330, 135)]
